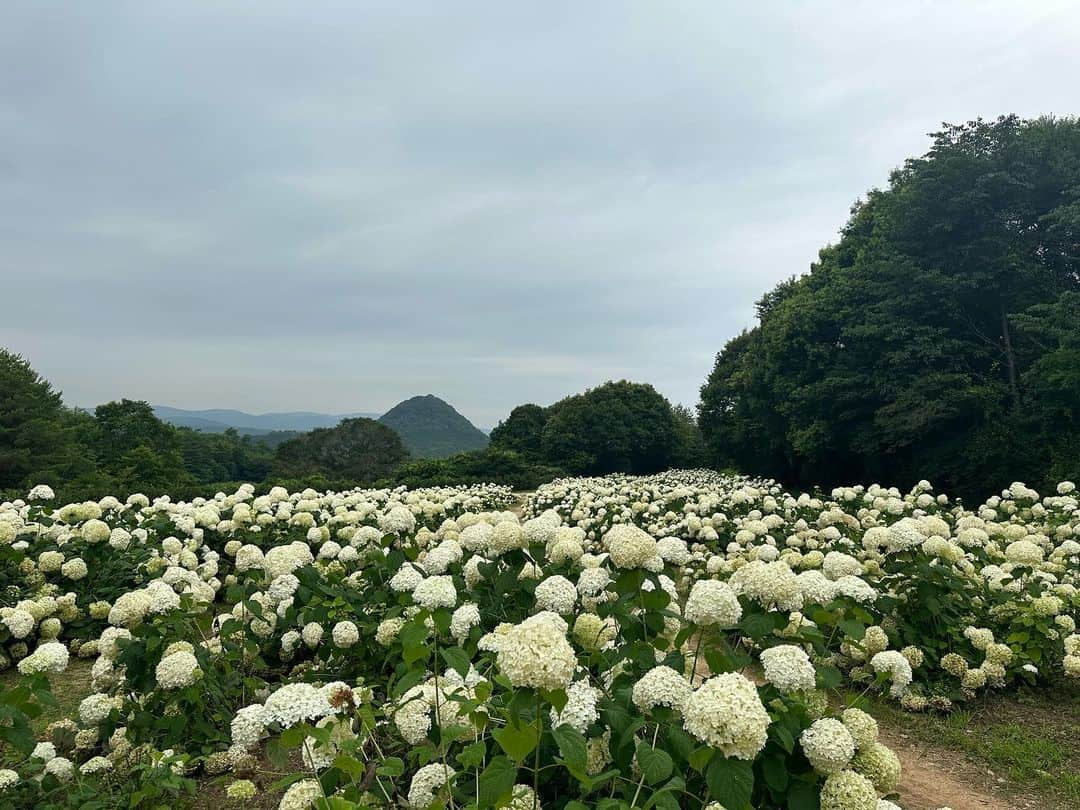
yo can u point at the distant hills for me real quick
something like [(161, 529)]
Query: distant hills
[(218, 420), (429, 426)]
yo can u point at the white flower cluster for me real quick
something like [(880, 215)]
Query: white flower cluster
[(536, 654), (788, 668), (726, 713), (706, 553)]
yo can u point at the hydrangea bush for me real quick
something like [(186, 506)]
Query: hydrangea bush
[(668, 641)]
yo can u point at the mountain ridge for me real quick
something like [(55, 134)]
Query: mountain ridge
[(432, 428), (218, 420), (429, 426)]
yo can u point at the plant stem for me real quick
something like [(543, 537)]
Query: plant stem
[(536, 756), (641, 781), (438, 720)]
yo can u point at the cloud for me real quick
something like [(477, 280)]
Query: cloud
[(275, 206)]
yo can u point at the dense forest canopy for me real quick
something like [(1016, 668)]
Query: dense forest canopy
[(938, 339), (359, 450), (616, 427)]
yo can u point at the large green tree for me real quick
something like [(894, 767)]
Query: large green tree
[(520, 432), (689, 451), (360, 450), (615, 427), (911, 349), (137, 449), (38, 435)]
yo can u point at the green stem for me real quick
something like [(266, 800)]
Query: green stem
[(536, 755), (697, 652), (641, 781), (438, 719)]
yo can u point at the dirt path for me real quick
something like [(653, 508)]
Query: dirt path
[(518, 507), (933, 778)]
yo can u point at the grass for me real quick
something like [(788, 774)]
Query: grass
[(1028, 739), (69, 688)]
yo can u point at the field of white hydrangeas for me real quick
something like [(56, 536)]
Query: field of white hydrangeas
[(673, 641)]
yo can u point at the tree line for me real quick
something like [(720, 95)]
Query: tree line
[(939, 338), (123, 447)]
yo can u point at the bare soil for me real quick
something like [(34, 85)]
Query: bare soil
[(933, 778)]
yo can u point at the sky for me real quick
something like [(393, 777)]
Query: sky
[(332, 207)]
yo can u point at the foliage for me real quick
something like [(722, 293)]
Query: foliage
[(615, 427), (229, 456), (491, 464), (937, 339), (358, 449), (690, 452), (520, 432), (38, 441)]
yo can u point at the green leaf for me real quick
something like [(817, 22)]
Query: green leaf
[(414, 642), (556, 697), (292, 737), (665, 799), (391, 766), (496, 782), (700, 758), (457, 658), (783, 736), (757, 625), (829, 677), (656, 765), (681, 743), (803, 796), (408, 681), (731, 782), (852, 628), (349, 766), (472, 756), (517, 741), (656, 599), (572, 747), (442, 618), (776, 775)]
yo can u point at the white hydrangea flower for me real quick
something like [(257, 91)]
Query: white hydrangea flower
[(177, 670), (726, 713), (536, 654), (712, 603), (427, 783), (345, 634), (788, 668), (661, 686), (557, 594), (828, 745), (435, 592)]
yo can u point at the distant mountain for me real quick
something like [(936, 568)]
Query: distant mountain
[(218, 420), (431, 428)]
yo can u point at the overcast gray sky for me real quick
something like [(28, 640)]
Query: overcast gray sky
[(332, 207)]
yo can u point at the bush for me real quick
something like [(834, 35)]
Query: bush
[(476, 467)]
